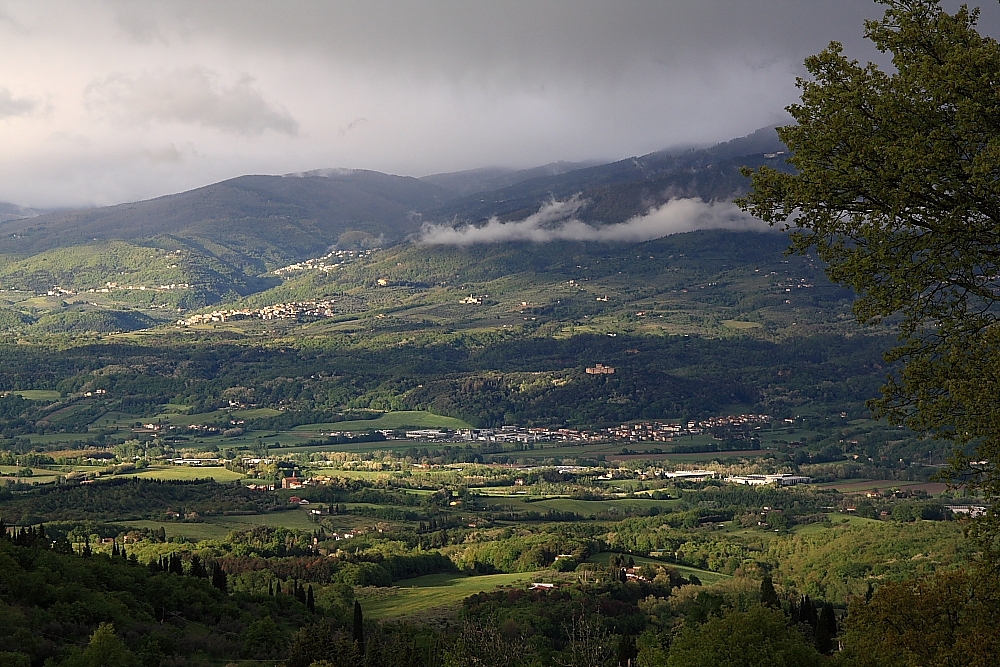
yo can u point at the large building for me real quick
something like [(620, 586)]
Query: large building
[(759, 480)]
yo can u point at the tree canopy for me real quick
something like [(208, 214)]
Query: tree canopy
[(898, 190)]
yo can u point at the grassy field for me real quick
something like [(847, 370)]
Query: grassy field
[(389, 420), (836, 520), (189, 472), (217, 527), (38, 394), (706, 576), (50, 438), (410, 597), (39, 475), (859, 485)]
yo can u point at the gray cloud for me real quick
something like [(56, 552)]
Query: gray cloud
[(557, 221), (190, 95), (11, 107), (442, 85)]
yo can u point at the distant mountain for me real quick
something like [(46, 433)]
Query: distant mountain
[(254, 221), (471, 181), (246, 226), (622, 189), (10, 211)]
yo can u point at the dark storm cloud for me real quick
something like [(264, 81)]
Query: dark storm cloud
[(217, 89)]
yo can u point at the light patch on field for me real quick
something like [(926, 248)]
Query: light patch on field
[(38, 394), (217, 473), (256, 413), (410, 597), (389, 420), (739, 324)]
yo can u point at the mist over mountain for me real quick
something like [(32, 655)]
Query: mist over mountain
[(627, 188), (253, 224), (10, 211), (471, 181)]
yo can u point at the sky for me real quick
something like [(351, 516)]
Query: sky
[(106, 101)]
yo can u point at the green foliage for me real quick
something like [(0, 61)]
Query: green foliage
[(102, 321), (135, 498), (105, 649), (897, 191), (947, 618), (757, 637)]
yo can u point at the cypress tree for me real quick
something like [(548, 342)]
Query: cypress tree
[(197, 569), (310, 600), (300, 593), (627, 651), (359, 627), (809, 614), (768, 595), (219, 579), (826, 630)]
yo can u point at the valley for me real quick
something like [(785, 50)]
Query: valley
[(256, 410)]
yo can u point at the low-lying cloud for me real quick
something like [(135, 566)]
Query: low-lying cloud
[(188, 95), (557, 221)]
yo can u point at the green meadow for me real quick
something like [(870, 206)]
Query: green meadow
[(410, 597)]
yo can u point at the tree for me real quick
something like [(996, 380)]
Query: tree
[(484, 643), (826, 629), (589, 643), (359, 627), (757, 637), (627, 651), (898, 190), (948, 618), (768, 595), (263, 639), (105, 649), (219, 579)]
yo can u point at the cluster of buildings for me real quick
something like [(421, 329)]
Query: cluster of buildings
[(662, 432), (785, 479), (326, 263), (781, 479), (278, 311), (518, 434), (728, 426), (111, 287), (474, 300)]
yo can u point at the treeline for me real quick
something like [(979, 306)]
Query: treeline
[(132, 498)]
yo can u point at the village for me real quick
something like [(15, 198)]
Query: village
[(278, 311)]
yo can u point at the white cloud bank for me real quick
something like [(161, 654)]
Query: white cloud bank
[(557, 221)]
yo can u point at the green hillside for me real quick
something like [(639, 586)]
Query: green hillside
[(265, 218), (713, 283)]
